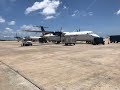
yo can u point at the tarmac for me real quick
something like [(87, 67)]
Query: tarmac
[(59, 67)]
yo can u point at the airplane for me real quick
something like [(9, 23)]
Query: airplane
[(58, 36), (47, 35)]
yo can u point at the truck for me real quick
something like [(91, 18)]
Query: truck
[(114, 38), (98, 40)]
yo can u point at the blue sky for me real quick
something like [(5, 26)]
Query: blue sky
[(100, 16)]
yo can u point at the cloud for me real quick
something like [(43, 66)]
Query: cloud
[(90, 13), (49, 17), (65, 7), (11, 23), (47, 7), (91, 4), (118, 12), (81, 13), (73, 15), (84, 13), (7, 34), (28, 27), (76, 12), (2, 20), (8, 30)]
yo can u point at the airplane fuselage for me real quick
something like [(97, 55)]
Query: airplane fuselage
[(80, 36)]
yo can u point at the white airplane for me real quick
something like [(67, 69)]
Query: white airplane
[(80, 36), (57, 36)]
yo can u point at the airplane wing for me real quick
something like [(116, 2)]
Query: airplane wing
[(46, 32), (38, 31)]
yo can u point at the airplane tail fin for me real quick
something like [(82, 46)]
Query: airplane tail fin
[(42, 28)]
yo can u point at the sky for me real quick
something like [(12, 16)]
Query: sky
[(99, 16)]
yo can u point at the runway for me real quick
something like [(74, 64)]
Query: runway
[(59, 67)]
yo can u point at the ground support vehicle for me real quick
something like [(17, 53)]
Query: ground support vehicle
[(26, 43), (114, 38), (98, 40)]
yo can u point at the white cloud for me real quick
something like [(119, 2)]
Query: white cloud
[(29, 27), (81, 13), (76, 12), (2, 20), (84, 13), (90, 13), (26, 27), (65, 7), (11, 23), (8, 30), (49, 17), (7, 34), (48, 7), (73, 14), (118, 12), (91, 4)]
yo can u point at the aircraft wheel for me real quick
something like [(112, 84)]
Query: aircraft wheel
[(66, 44), (58, 42)]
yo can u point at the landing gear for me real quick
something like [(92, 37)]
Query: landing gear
[(58, 42), (88, 42)]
